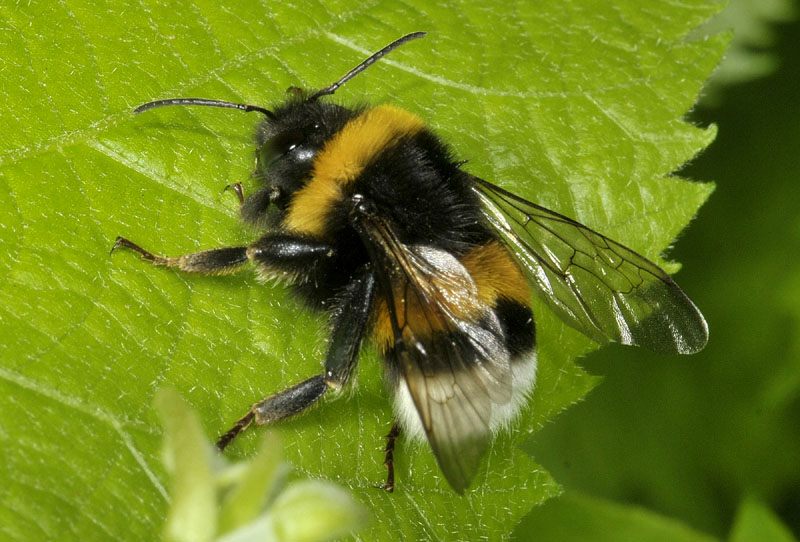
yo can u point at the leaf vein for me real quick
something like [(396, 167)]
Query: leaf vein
[(92, 411)]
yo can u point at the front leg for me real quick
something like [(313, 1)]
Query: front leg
[(215, 261), (286, 253), (238, 190), (291, 254)]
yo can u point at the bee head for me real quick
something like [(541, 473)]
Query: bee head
[(291, 135), (290, 138)]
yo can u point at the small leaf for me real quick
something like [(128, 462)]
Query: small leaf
[(755, 522), (255, 483), (261, 529), (193, 513), (313, 511), (751, 55), (574, 517)]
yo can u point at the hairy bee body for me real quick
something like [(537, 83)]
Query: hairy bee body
[(369, 216), (389, 158), (382, 153)]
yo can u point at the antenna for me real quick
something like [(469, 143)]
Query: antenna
[(330, 89), (204, 102)]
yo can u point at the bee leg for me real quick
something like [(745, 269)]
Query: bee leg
[(237, 189), (289, 253), (215, 261), (349, 325), (277, 407), (394, 432)]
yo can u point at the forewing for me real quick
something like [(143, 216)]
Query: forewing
[(596, 285), (448, 348), (455, 392)]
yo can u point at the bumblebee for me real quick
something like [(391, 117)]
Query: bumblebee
[(372, 220)]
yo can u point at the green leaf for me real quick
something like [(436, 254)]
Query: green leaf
[(690, 436), (751, 53), (755, 522), (576, 105), (187, 453), (312, 511), (577, 517), (254, 485), (306, 511)]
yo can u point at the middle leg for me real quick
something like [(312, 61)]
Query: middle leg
[(349, 325)]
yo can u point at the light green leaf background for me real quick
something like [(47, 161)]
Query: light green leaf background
[(576, 105), (756, 522)]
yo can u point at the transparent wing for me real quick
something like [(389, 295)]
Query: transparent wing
[(596, 285), (455, 381), (448, 348)]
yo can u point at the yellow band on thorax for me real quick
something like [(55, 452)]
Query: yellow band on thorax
[(343, 159)]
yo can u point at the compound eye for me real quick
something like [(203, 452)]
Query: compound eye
[(276, 148)]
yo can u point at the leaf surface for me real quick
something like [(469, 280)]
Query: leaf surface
[(575, 105)]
